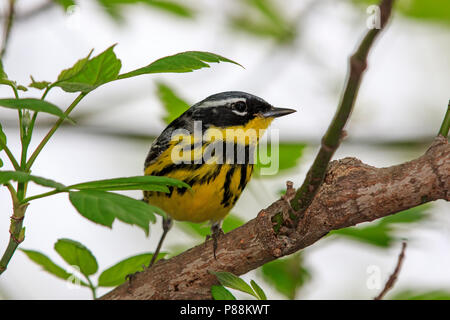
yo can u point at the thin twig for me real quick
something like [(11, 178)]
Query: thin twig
[(332, 138), (8, 26), (391, 281)]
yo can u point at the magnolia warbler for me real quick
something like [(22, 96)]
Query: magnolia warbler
[(209, 147)]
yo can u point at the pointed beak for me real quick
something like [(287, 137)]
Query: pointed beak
[(277, 112)]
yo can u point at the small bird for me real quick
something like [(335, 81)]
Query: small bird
[(216, 180)]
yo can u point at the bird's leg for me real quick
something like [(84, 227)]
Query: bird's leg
[(166, 224), (216, 232)]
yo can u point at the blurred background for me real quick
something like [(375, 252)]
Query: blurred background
[(294, 55)]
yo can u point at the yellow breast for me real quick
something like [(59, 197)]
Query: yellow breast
[(215, 186)]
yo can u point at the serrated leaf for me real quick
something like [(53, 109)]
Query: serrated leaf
[(104, 207), (181, 62), (116, 275), (48, 265), (41, 85), (227, 279), (87, 74), (33, 104), (221, 293), (19, 176), (286, 275), (172, 103), (76, 254), (148, 183)]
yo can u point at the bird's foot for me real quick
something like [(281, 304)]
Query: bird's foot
[(216, 232)]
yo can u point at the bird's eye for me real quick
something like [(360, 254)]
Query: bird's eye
[(240, 106)]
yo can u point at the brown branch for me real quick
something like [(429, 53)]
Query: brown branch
[(391, 281), (352, 192)]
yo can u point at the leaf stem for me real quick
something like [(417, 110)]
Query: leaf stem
[(333, 137), (52, 131), (10, 156), (443, 131), (42, 195), (92, 287)]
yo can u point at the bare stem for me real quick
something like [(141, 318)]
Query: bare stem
[(391, 281), (52, 131), (8, 26), (332, 138)]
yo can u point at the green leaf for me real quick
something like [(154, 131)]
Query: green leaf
[(73, 71), (286, 275), (76, 254), (23, 177), (288, 155), (229, 280), (65, 3), (1, 163), (3, 139), (382, 232), (148, 183), (3, 74), (422, 295), (172, 103), (51, 267), (377, 235), (33, 104), (41, 85), (411, 215), (261, 18), (261, 294), (116, 274), (114, 7), (176, 8), (181, 62), (87, 74), (221, 293), (103, 207)]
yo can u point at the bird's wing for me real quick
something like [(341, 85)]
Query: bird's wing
[(158, 146)]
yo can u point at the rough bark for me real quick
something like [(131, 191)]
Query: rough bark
[(352, 192)]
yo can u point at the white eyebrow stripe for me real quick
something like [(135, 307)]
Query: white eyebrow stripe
[(210, 104), (243, 113)]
